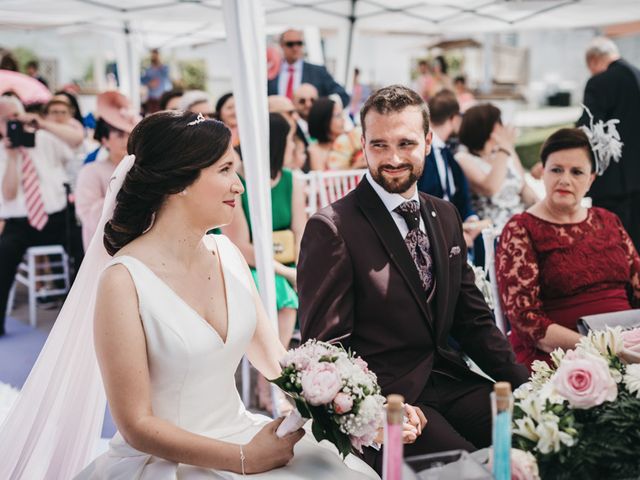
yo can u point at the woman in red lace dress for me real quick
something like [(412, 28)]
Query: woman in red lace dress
[(559, 261)]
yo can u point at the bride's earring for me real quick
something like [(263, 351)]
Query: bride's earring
[(183, 192)]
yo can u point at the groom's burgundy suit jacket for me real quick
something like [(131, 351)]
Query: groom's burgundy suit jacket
[(359, 286)]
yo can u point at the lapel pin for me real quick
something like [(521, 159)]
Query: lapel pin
[(433, 214)]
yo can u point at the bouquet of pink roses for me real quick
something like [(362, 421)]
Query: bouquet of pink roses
[(580, 416), (336, 390)]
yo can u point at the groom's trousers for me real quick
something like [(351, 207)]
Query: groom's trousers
[(458, 412)]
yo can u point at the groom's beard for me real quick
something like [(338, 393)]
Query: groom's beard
[(398, 184)]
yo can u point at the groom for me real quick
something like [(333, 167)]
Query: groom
[(384, 272)]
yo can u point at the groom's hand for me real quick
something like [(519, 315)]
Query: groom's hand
[(415, 421), (412, 427)]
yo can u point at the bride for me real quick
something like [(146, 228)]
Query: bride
[(175, 313)]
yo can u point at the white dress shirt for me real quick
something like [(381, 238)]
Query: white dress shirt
[(438, 144), (283, 77), (50, 157), (394, 200)]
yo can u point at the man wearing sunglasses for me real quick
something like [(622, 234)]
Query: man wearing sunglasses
[(303, 98), (294, 71)]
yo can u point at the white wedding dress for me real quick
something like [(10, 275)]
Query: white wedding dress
[(193, 386)]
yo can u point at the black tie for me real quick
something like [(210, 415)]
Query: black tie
[(417, 243)]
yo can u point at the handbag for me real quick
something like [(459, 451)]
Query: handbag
[(627, 319), (284, 246)]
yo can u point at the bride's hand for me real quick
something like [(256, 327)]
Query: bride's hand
[(267, 451)]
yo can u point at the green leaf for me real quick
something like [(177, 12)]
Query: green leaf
[(318, 432), (302, 407), (281, 381), (343, 443)]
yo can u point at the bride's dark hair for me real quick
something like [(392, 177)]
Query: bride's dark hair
[(171, 149)]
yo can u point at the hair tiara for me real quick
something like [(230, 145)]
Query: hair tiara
[(199, 119)]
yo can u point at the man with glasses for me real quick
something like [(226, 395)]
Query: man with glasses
[(303, 99), (294, 71)]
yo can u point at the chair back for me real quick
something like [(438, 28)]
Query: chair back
[(324, 188), (490, 237), (333, 185)]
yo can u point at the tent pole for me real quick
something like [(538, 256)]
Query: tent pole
[(133, 65), (352, 22), (245, 27)]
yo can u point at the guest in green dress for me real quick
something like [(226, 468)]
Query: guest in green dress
[(288, 210)]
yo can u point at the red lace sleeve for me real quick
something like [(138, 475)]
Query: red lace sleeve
[(519, 282), (634, 264)]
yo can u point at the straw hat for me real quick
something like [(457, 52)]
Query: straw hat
[(115, 109)]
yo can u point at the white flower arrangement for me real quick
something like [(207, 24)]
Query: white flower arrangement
[(588, 394), (632, 379)]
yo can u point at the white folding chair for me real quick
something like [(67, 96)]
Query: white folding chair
[(489, 238), (333, 185), (310, 183), (33, 270)]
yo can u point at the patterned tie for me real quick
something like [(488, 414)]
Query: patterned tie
[(289, 92), (417, 243), (36, 213)]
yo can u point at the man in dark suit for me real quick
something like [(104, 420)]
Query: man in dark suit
[(294, 71), (384, 272), (442, 176), (614, 92)]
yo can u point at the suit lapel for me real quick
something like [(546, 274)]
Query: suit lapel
[(272, 85), (432, 169), (387, 231), (305, 74), (440, 256)]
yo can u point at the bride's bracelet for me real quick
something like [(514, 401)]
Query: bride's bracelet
[(242, 459)]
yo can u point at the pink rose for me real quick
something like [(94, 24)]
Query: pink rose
[(364, 366), (342, 403), (631, 338), (320, 383), (523, 466), (584, 380)]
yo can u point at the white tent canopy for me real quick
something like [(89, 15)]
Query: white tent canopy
[(178, 22)]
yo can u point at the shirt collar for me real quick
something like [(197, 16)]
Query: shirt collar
[(391, 200), (436, 141), (297, 66)]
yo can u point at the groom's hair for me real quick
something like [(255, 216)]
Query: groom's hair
[(171, 149), (393, 99)]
